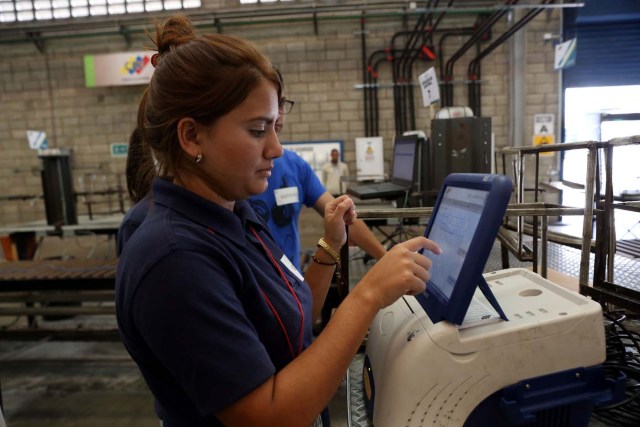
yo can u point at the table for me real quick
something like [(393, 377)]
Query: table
[(25, 237), (58, 288)]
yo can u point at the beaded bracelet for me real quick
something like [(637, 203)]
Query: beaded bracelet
[(317, 261)]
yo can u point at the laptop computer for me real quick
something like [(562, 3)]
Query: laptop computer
[(464, 223), (401, 181)]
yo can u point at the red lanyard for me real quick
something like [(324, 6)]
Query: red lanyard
[(273, 309)]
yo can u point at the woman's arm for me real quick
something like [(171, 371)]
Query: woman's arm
[(359, 232), (297, 394)]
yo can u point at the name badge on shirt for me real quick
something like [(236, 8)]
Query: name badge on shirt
[(291, 267), (286, 196)]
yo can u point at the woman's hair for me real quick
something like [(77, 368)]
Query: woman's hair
[(202, 77), (140, 168)]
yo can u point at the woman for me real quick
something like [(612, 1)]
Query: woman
[(213, 313)]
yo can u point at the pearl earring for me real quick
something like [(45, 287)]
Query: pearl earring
[(199, 158)]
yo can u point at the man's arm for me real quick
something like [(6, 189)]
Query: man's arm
[(359, 232)]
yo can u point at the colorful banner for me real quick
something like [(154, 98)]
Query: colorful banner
[(118, 69)]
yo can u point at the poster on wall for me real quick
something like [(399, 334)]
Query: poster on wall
[(118, 69), (369, 158)]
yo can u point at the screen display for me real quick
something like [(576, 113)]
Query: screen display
[(404, 153), (453, 228)]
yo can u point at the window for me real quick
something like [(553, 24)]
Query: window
[(41, 10)]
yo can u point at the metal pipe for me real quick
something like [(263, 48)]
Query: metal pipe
[(587, 225), (444, 101), (474, 64), (363, 46), (408, 71), (482, 29)]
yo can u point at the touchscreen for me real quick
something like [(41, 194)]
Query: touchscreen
[(453, 228)]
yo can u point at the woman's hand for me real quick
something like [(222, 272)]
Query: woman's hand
[(337, 214), (401, 271)]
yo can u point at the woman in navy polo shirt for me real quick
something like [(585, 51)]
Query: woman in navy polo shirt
[(213, 313)]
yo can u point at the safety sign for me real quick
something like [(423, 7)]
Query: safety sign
[(543, 132)]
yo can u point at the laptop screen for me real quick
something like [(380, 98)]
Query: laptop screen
[(404, 154), (453, 229)]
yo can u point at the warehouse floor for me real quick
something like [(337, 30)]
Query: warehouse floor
[(84, 384)]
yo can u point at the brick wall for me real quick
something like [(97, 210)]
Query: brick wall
[(46, 91)]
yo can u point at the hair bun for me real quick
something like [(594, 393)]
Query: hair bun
[(173, 32)]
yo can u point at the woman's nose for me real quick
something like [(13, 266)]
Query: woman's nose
[(274, 148)]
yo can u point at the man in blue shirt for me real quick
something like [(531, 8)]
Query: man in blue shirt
[(292, 184)]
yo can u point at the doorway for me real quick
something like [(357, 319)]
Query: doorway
[(601, 114)]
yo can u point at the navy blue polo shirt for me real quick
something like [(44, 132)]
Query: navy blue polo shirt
[(191, 303), (131, 221)]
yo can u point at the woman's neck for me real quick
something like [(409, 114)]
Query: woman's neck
[(200, 185)]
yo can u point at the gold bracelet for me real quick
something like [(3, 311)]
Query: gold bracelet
[(317, 261), (324, 245)]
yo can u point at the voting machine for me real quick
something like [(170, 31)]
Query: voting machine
[(505, 348)]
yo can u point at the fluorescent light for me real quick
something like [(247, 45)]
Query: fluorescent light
[(7, 17)]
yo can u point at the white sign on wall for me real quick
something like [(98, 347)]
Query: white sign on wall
[(429, 86), (369, 158), (37, 139), (565, 54)]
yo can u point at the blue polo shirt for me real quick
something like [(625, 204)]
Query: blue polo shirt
[(191, 302), (131, 221), (289, 172)]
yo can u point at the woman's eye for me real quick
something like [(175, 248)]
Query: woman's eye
[(258, 132)]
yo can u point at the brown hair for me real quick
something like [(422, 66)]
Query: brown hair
[(202, 77), (140, 168)]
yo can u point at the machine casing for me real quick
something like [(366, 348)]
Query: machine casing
[(418, 373)]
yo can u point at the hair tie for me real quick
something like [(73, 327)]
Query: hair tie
[(154, 60)]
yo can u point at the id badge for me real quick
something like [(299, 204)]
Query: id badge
[(287, 263), (286, 196)]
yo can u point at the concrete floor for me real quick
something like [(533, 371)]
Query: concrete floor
[(84, 384), (73, 384)]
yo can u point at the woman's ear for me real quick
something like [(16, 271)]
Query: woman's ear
[(188, 136)]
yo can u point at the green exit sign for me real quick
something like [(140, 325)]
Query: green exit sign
[(119, 150)]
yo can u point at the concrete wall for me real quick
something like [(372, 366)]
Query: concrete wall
[(46, 91)]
